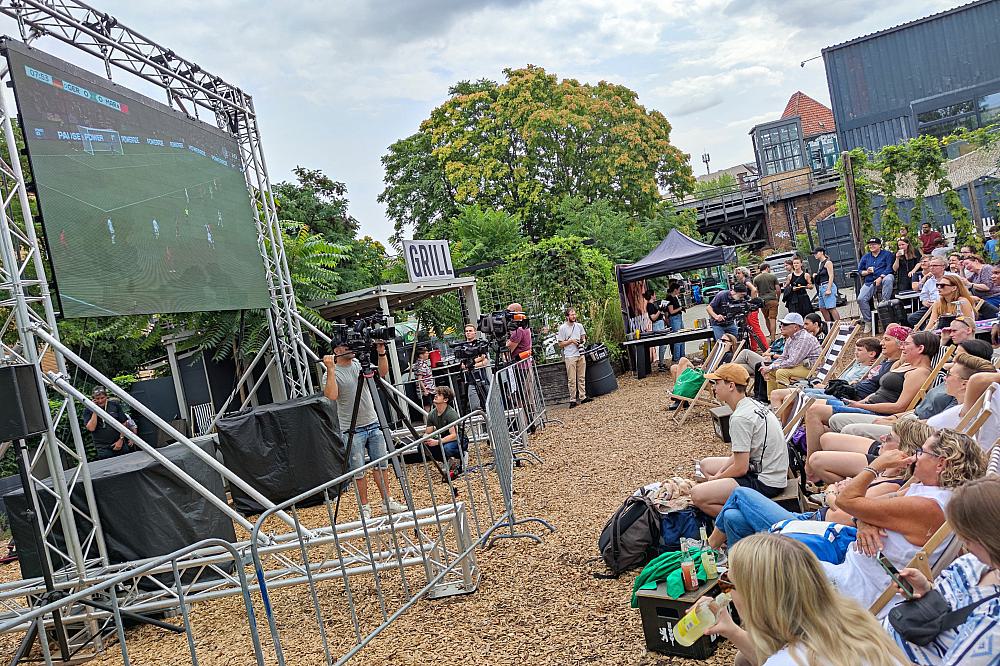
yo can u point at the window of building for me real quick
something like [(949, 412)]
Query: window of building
[(780, 149), (823, 152), (970, 114)]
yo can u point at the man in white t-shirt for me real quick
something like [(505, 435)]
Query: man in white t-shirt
[(571, 338), (760, 457)]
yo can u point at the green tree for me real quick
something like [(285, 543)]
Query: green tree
[(317, 201), (524, 145), (621, 238), (417, 192), (725, 182), (479, 236)]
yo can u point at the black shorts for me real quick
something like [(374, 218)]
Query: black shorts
[(751, 481), (873, 450)]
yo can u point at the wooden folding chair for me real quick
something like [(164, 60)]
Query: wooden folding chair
[(796, 403), (832, 351), (978, 414), (704, 394), (936, 375)]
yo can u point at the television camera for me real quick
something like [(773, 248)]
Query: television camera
[(742, 308), (360, 335), (498, 325), (470, 351)]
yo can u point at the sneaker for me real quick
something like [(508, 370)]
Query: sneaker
[(366, 511), (674, 406), (586, 400), (572, 404), (396, 507)]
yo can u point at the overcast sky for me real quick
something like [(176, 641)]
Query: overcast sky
[(334, 83)]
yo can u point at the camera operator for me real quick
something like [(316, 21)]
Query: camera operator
[(108, 442), (343, 373), (480, 368), (721, 311), (658, 320), (520, 338)]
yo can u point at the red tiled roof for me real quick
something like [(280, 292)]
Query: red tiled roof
[(816, 118)]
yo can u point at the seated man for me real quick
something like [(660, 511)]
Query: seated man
[(800, 353), (760, 457), (446, 444), (866, 350)]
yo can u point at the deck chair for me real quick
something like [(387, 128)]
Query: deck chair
[(921, 560), (796, 404), (978, 414), (704, 395), (919, 326), (936, 375), (832, 351)]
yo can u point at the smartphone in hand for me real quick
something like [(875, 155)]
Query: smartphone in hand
[(893, 572)]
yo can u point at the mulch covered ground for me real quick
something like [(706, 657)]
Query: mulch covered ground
[(536, 604)]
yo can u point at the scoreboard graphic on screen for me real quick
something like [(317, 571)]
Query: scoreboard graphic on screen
[(144, 210)]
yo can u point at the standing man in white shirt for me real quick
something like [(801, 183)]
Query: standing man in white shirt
[(571, 338)]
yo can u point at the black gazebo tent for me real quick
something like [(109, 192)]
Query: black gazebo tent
[(678, 252)]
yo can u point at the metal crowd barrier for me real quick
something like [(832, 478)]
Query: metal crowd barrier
[(353, 576)]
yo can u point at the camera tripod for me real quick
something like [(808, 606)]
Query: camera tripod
[(746, 334)]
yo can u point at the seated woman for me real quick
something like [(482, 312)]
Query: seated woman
[(897, 388), (866, 350), (899, 525), (843, 455), (747, 512), (953, 299), (974, 515), (790, 613)]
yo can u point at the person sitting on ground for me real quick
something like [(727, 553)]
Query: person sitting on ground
[(974, 515), (843, 455), (933, 403), (899, 525), (446, 444), (747, 512), (760, 457), (796, 361), (814, 324), (866, 351), (955, 299), (790, 613), (897, 388)]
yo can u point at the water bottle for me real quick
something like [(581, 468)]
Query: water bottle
[(692, 626)]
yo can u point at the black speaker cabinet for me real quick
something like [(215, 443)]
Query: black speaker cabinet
[(22, 408)]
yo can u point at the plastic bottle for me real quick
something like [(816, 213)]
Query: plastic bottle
[(703, 534), (708, 564), (692, 626)]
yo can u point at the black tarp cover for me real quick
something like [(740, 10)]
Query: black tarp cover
[(678, 252), (283, 449), (144, 509)]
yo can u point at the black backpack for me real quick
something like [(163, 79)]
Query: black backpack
[(631, 537)]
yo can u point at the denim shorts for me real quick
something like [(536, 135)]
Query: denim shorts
[(824, 301), (368, 439)]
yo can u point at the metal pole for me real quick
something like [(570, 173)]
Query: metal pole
[(175, 372), (163, 425)]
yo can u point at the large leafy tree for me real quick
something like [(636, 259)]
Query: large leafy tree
[(317, 201), (524, 145)]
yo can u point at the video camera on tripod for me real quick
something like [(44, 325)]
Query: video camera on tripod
[(741, 309), (498, 325), (360, 335), (470, 351)]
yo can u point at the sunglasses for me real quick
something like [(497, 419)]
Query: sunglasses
[(725, 585)]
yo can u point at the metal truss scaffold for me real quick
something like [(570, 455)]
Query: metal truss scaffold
[(73, 547)]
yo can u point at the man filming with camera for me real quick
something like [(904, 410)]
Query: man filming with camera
[(343, 374), (476, 364), (722, 312)]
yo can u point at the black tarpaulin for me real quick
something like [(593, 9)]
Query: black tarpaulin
[(678, 252), (144, 509), (283, 449)]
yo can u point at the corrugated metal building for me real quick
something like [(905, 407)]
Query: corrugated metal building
[(928, 76)]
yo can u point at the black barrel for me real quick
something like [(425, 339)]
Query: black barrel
[(600, 377)]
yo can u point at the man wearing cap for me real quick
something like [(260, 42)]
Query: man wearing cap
[(875, 269), (801, 351), (719, 311), (108, 441), (760, 457)]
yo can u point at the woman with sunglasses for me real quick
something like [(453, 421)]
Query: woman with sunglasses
[(900, 525), (974, 514), (791, 614), (843, 455), (953, 299)]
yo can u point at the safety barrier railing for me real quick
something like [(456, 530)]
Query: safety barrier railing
[(363, 574), (106, 601)]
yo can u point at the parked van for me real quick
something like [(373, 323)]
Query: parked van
[(777, 263)]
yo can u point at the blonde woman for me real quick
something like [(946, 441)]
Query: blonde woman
[(953, 299), (791, 614)]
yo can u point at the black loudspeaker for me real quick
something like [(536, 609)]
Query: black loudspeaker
[(22, 408)]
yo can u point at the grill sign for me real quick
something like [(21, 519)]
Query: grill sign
[(428, 260)]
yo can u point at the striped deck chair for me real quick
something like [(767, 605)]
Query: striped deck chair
[(704, 395), (832, 350), (936, 376), (979, 413), (921, 560), (795, 404)]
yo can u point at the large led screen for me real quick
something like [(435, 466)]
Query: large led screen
[(144, 210)]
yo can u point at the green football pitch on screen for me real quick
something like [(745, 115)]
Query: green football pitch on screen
[(144, 210)]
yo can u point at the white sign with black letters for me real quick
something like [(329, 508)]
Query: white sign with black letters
[(427, 260)]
